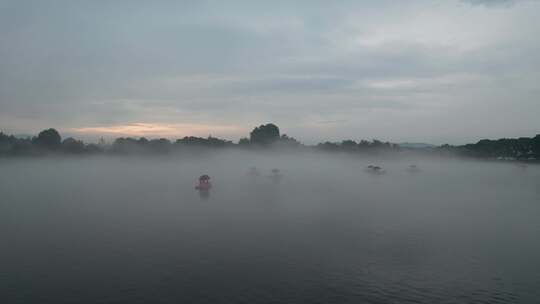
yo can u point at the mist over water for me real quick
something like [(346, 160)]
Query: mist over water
[(134, 230)]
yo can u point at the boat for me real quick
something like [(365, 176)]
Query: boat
[(413, 169), (375, 169), (204, 183), (276, 176)]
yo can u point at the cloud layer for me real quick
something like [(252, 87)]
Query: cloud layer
[(415, 71)]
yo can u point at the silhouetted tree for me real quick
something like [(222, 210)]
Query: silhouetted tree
[(363, 145), (22, 147), (71, 145), (203, 142), (536, 146), (264, 134), (5, 144), (523, 148), (376, 143), (244, 141), (161, 145), (287, 141), (328, 146), (125, 145), (142, 141), (349, 145), (48, 139), (216, 142)]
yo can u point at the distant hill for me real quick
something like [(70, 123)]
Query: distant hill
[(416, 145)]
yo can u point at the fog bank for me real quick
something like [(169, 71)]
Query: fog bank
[(125, 229)]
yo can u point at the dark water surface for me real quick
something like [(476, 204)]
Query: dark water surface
[(133, 230)]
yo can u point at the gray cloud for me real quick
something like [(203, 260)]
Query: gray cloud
[(491, 3), (407, 72)]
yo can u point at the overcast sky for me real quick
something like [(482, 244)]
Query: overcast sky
[(418, 71)]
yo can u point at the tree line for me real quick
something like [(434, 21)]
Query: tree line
[(523, 148), (266, 136)]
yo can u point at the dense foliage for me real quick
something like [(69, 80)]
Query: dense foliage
[(262, 137), (374, 146), (523, 148), (264, 134)]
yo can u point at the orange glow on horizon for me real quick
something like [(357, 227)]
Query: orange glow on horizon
[(158, 130)]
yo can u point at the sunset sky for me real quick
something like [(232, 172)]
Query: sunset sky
[(414, 70)]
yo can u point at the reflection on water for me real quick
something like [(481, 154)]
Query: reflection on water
[(134, 231), (204, 194)]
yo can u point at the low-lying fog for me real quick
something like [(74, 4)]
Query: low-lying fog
[(135, 230)]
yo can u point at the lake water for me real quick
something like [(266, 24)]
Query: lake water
[(134, 230)]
